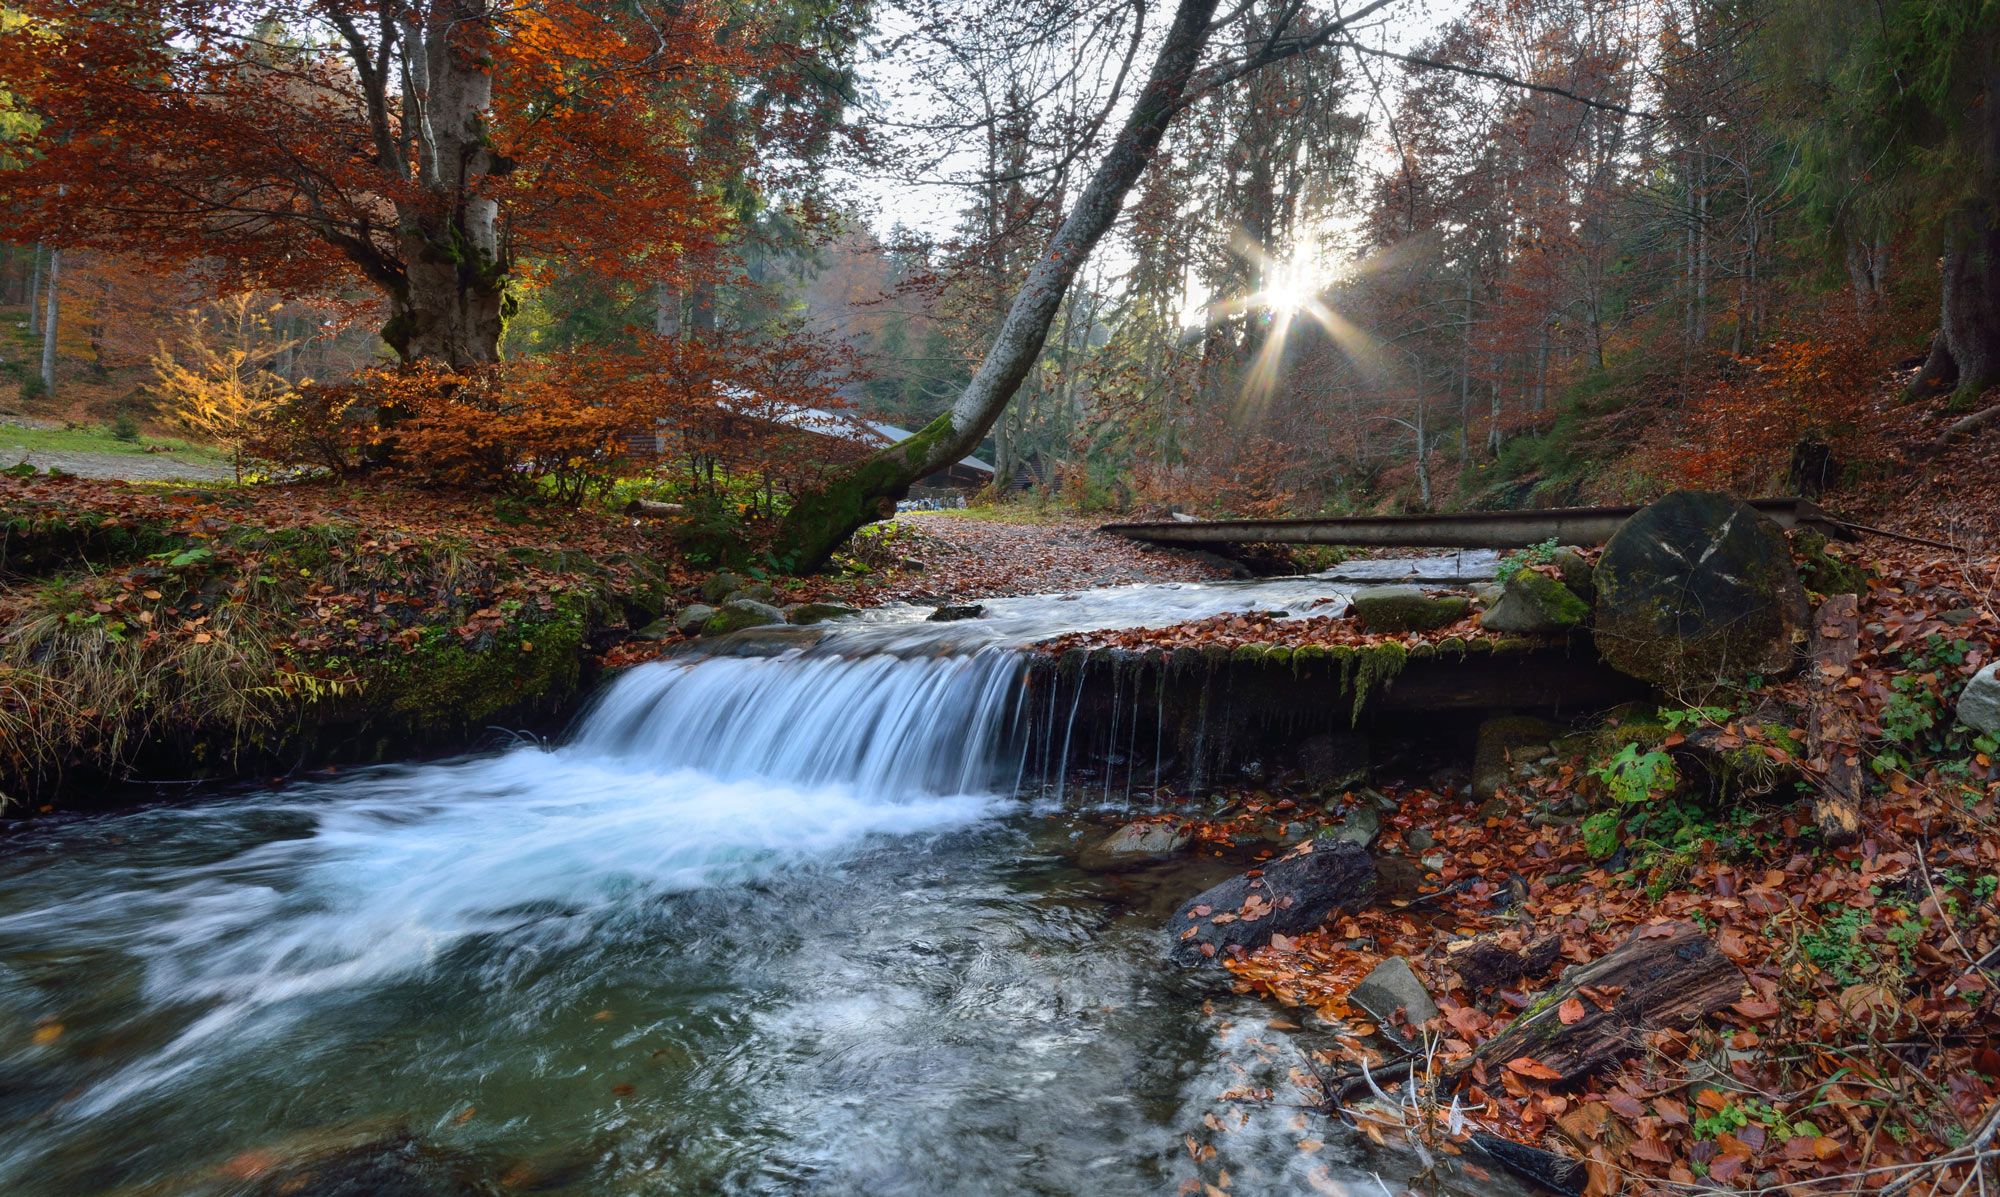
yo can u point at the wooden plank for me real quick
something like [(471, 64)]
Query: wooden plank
[(1459, 530)]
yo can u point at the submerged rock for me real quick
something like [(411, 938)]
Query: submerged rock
[(1391, 986), (1407, 608), (1535, 603), (1136, 844), (1979, 706), (737, 614), (952, 612), (1287, 896), (1695, 589)]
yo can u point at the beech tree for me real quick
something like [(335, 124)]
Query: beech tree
[(426, 147)]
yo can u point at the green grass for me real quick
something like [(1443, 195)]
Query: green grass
[(97, 438)]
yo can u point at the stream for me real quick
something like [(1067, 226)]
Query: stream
[(762, 924)]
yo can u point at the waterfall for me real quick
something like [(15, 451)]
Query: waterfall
[(889, 726)]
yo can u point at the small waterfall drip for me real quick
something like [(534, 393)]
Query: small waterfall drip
[(887, 725)]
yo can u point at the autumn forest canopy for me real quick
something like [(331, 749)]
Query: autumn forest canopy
[(1274, 258)]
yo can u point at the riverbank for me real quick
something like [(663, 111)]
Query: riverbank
[(1827, 1012), (170, 634)]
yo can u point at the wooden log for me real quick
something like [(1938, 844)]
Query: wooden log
[(1832, 730), (1666, 976), (653, 508)]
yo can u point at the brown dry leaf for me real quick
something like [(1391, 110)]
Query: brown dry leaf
[(1570, 1012), (1533, 1069)]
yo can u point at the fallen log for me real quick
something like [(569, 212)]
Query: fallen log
[(653, 508), (1832, 730), (1668, 975), (1287, 896)]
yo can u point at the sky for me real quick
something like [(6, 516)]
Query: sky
[(931, 205)]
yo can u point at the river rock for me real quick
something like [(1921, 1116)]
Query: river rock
[(1695, 589), (1503, 740), (1286, 897), (1332, 760), (737, 614), (1979, 706), (693, 618), (1361, 827), (810, 613), (1576, 572), (1135, 844), (953, 612), (1398, 878), (1407, 608), (719, 586), (1535, 603), (659, 629), (1391, 986), (758, 592)]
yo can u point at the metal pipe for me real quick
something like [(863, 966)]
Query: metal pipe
[(1463, 530)]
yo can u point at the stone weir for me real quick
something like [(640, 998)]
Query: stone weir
[(1325, 715)]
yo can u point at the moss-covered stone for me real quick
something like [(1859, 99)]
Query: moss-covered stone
[(737, 614), (448, 685), (811, 613), (1825, 571), (1535, 604), (1393, 609)]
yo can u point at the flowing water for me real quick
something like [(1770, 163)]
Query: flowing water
[(762, 924)]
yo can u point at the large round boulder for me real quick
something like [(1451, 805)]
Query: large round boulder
[(1696, 589)]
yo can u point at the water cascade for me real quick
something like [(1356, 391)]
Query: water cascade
[(763, 924)]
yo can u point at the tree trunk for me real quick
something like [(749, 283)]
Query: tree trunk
[(1965, 354), (822, 520), (49, 321), (35, 290), (451, 304)]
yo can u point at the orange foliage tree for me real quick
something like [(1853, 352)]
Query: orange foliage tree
[(1816, 383), (568, 424), (423, 147)]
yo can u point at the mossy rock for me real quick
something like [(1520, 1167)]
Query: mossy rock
[(811, 613), (1577, 573), (1698, 590), (718, 587), (1407, 608), (737, 614), (756, 592), (1534, 603), (693, 618), (1825, 572)]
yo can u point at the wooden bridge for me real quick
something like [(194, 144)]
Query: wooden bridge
[(1463, 530)]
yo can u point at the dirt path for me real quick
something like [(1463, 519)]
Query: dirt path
[(131, 467), (965, 557)]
